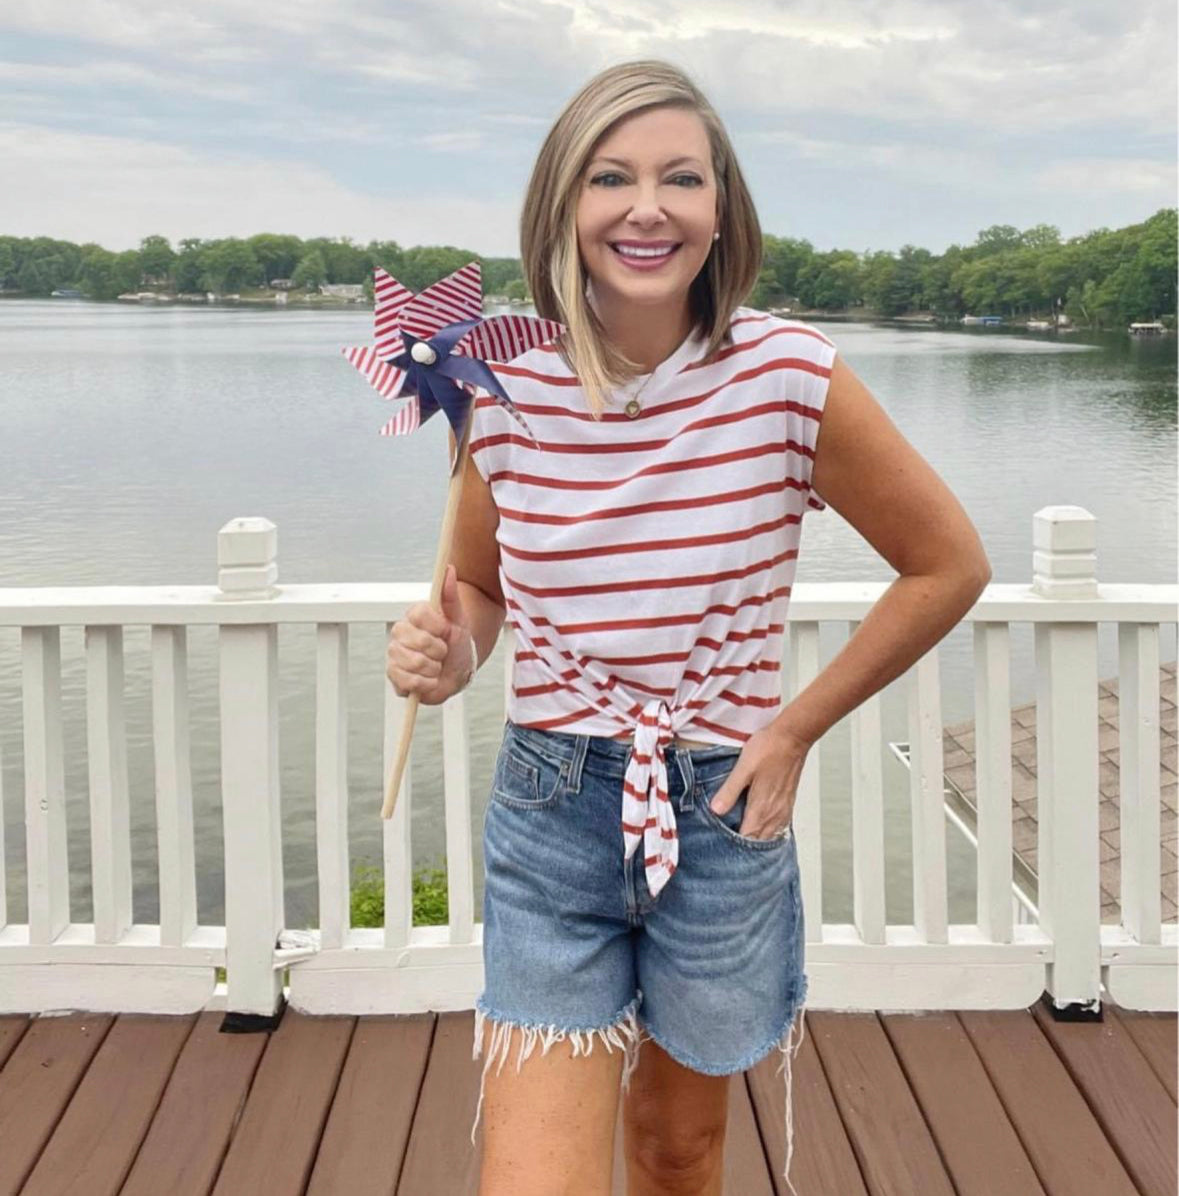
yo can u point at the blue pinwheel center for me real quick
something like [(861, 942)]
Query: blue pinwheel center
[(436, 382)]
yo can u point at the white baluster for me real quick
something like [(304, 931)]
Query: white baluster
[(867, 786), (1138, 779), (927, 799), (173, 765), (397, 840), (331, 783), (992, 762), (45, 817), (110, 815)]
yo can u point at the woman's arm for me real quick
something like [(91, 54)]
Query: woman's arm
[(475, 556), (868, 472)]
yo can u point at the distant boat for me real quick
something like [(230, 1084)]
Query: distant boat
[(1039, 325), (1147, 328), (990, 321), (67, 293)]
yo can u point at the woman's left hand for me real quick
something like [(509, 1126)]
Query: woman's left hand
[(769, 765)]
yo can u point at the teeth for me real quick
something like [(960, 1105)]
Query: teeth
[(632, 251)]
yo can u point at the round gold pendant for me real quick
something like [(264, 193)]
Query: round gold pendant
[(633, 408)]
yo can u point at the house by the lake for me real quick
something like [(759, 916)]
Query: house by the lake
[(352, 291)]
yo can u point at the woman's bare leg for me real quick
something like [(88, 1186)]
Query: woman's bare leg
[(548, 1127)]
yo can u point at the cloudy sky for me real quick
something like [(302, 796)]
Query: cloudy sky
[(860, 124)]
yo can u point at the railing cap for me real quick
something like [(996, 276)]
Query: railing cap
[(1064, 529), (247, 557), (1064, 556)]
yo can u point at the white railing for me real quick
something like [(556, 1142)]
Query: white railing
[(50, 963)]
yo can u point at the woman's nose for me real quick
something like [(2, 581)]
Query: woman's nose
[(646, 208)]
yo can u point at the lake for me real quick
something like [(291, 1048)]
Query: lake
[(131, 435)]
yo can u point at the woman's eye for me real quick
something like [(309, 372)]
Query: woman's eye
[(680, 179)]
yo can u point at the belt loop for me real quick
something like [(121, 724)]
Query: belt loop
[(576, 760), (683, 758)]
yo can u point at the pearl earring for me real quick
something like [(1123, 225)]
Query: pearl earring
[(716, 236)]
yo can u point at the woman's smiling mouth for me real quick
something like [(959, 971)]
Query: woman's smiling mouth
[(642, 255)]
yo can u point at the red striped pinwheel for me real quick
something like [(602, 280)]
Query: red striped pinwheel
[(433, 348), (424, 345)]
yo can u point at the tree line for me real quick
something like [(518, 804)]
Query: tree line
[(1103, 278)]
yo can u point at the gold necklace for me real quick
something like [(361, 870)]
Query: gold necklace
[(633, 407)]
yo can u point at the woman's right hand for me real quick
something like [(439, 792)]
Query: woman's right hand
[(429, 651)]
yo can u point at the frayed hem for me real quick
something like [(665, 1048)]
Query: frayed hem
[(788, 1055), (623, 1032)]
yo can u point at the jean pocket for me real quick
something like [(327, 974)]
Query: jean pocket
[(524, 778), (731, 819)]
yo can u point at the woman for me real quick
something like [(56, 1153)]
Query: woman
[(642, 876)]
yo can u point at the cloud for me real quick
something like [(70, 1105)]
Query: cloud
[(344, 116), (1153, 180), (144, 187)]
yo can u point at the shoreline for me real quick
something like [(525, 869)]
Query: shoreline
[(329, 302)]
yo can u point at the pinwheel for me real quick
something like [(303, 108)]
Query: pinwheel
[(426, 348)]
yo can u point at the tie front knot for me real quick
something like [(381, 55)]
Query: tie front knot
[(647, 813), (653, 732)]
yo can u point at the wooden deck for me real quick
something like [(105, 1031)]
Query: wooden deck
[(1006, 1103)]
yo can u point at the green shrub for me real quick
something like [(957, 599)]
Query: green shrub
[(430, 903)]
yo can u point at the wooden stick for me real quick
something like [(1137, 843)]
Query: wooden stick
[(445, 540)]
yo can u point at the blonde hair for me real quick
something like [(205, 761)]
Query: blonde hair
[(552, 264)]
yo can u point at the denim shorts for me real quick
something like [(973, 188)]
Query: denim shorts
[(574, 945)]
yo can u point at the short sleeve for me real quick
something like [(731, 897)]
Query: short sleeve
[(814, 403)]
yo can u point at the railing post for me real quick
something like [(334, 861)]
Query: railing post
[(1064, 566), (247, 551)]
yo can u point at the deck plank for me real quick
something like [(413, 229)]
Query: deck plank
[(1157, 1036), (1062, 1138), (194, 1123), (368, 1130), (823, 1159), (441, 1157), (99, 1134), (979, 1147), (747, 1169), (274, 1146), (1130, 1104), (893, 1144), (12, 1030), (36, 1085)]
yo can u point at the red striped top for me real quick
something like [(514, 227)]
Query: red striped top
[(646, 563)]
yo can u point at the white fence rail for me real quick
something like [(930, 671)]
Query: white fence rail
[(50, 963)]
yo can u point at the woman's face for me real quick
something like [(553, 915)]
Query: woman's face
[(649, 186)]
